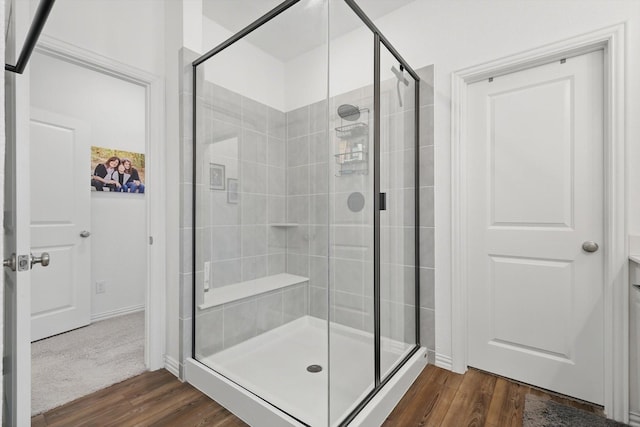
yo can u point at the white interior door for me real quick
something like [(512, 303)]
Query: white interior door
[(16, 223), (60, 223), (535, 195)]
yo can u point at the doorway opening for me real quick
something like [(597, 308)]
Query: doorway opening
[(88, 305)]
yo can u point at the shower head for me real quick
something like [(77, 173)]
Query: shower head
[(399, 75), (349, 112)]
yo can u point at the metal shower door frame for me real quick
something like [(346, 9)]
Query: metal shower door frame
[(379, 40)]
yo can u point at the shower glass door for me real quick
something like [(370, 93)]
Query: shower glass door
[(398, 221), (351, 308), (261, 209)]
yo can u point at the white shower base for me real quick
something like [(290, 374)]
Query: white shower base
[(273, 366)]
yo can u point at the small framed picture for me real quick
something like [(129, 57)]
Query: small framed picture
[(232, 190), (216, 176)]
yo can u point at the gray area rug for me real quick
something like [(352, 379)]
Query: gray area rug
[(540, 412), (74, 364)]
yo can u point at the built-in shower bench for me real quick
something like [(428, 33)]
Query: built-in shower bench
[(250, 288)]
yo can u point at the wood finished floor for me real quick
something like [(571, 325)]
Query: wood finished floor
[(438, 398)]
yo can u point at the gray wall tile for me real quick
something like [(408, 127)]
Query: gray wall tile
[(276, 123), (318, 302), (225, 242), (298, 151), (277, 181), (253, 147), (209, 332), (427, 328), (270, 311), (427, 247), (254, 267), (295, 301), (254, 240), (225, 273), (298, 122), (254, 209), (426, 166), (276, 264), (277, 209), (254, 115), (240, 322), (319, 148), (318, 119), (276, 152), (298, 264), (427, 288)]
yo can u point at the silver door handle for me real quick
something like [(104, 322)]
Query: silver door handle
[(85, 233), (10, 262), (590, 246), (42, 259)]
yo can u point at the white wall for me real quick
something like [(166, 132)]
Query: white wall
[(173, 70), (457, 34), (243, 68), (128, 31), (115, 111)]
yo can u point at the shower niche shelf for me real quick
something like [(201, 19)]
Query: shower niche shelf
[(352, 155)]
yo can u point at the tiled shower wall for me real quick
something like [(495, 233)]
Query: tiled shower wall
[(245, 139), (307, 200), (313, 181)]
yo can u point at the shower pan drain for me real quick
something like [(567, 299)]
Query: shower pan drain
[(314, 368)]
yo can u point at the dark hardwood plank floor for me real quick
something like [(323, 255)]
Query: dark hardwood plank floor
[(438, 398)]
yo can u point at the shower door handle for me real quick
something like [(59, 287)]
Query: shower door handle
[(383, 201)]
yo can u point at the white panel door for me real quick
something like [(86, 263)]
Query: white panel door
[(16, 367), (535, 195), (60, 213)]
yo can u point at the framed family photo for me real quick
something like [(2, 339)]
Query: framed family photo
[(117, 171)]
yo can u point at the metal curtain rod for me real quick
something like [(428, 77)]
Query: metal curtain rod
[(40, 18)]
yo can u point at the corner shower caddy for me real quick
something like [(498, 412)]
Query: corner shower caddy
[(353, 147)]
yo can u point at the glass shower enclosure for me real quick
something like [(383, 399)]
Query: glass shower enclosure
[(305, 212)]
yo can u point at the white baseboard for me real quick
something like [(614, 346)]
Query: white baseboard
[(172, 365), (634, 419), (444, 362), (115, 313)]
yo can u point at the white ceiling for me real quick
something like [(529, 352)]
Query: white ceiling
[(297, 30)]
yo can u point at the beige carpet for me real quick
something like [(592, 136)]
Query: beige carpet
[(74, 364)]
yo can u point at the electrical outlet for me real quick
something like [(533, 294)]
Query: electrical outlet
[(101, 287)]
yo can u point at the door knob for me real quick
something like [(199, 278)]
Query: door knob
[(10, 262), (590, 246), (42, 259), (85, 233)]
